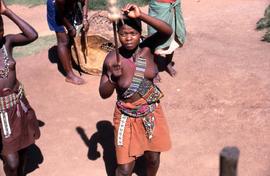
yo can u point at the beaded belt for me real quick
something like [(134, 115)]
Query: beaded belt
[(145, 112), (7, 102)]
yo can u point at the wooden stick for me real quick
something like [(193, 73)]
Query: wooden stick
[(228, 161), (116, 43), (114, 15)]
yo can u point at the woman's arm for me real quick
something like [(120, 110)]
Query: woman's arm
[(28, 34)]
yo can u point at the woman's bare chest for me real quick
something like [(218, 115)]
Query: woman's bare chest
[(135, 69)]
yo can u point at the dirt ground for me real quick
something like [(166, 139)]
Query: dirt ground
[(220, 97)]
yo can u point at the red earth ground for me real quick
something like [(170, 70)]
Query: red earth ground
[(220, 97)]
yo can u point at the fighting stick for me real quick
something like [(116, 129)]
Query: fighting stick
[(114, 15)]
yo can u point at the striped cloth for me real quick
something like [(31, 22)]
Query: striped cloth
[(137, 78)]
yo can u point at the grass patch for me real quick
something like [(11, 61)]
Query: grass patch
[(102, 4), (93, 4), (40, 44), (26, 2)]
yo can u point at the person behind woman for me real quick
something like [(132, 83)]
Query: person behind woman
[(140, 125), (62, 17), (170, 12), (18, 123)]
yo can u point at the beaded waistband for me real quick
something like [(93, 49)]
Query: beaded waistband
[(9, 101)]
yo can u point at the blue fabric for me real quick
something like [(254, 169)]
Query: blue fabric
[(52, 20)]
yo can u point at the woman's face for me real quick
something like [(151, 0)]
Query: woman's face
[(129, 37)]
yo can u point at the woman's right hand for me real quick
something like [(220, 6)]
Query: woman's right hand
[(114, 71)]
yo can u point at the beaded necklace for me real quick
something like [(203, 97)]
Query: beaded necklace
[(4, 71), (138, 77)]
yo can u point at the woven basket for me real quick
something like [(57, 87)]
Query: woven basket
[(89, 51), (90, 57)]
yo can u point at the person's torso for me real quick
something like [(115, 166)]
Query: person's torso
[(129, 69), (73, 11), (7, 68)]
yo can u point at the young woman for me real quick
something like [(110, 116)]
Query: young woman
[(140, 125), (18, 123)]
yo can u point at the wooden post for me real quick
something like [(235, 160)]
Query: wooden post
[(228, 161)]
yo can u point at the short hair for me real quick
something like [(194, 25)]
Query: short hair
[(135, 23)]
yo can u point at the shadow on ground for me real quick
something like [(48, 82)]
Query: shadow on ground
[(105, 137), (53, 58), (33, 155)]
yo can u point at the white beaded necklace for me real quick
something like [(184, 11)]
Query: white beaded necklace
[(5, 70)]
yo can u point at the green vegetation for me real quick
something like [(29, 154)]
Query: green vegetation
[(101, 4), (33, 48), (26, 2), (93, 4)]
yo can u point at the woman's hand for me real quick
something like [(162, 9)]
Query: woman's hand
[(132, 11), (114, 72)]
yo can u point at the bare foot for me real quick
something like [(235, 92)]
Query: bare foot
[(171, 70), (75, 79), (157, 79)]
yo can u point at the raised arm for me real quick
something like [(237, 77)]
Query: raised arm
[(164, 31), (28, 34)]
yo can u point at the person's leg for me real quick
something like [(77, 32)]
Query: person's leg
[(22, 160), (125, 169), (64, 54), (157, 78), (152, 162), (11, 164), (170, 64)]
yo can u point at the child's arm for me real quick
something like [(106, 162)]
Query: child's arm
[(28, 34)]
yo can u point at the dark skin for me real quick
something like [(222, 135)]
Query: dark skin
[(63, 38), (13, 162), (122, 73)]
